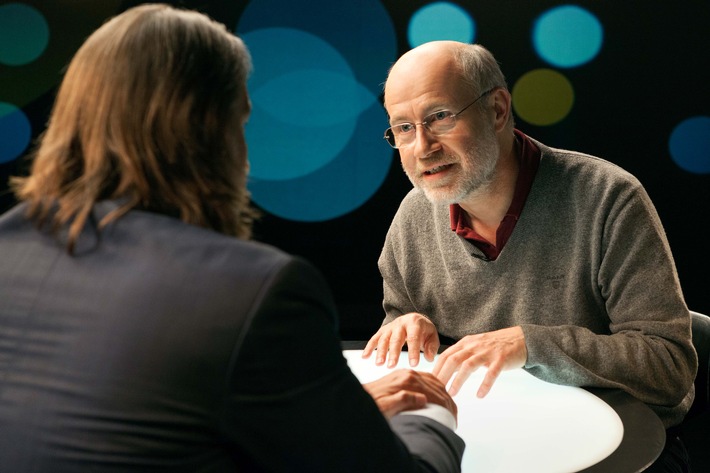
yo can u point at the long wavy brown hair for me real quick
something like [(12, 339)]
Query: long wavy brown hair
[(147, 113)]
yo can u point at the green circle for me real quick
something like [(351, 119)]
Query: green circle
[(543, 97), (24, 34)]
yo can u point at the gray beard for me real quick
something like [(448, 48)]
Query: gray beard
[(484, 157)]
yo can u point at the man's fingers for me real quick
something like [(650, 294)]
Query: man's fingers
[(411, 400), (382, 345), (414, 329), (413, 346), (488, 380), (401, 401), (371, 344), (446, 365), (464, 371), (436, 392), (431, 347), (395, 346)]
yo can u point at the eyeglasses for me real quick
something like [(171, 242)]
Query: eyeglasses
[(437, 123)]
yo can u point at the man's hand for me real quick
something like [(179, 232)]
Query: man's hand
[(415, 329), (405, 390), (499, 350)]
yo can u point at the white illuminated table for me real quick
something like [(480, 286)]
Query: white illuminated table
[(528, 425)]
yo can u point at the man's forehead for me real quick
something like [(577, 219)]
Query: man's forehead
[(426, 88), (421, 64)]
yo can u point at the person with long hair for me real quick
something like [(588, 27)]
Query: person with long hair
[(140, 329)]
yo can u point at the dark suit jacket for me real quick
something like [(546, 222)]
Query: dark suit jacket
[(161, 346)]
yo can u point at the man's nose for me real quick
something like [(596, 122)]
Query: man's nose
[(425, 142)]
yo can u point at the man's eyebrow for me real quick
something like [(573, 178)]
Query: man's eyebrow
[(431, 108), (398, 121), (398, 118)]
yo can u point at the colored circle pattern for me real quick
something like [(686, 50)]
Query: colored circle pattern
[(315, 145), (441, 21), (315, 142), (564, 37), (24, 34)]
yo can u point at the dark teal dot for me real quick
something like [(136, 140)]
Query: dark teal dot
[(15, 132), (689, 145), (24, 34)]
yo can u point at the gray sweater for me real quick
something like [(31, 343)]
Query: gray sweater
[(587, 273)]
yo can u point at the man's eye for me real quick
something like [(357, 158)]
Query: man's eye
[(404, 128), (438, 116)]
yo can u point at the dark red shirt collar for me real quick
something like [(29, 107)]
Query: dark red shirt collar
[(529, 159)]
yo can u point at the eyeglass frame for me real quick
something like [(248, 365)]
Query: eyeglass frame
[(424, 123)]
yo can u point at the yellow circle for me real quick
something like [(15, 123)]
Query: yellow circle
[(543, 97)]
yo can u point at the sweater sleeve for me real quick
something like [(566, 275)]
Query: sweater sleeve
[(648, 351)]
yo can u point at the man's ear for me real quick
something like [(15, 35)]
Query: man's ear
[(502, 103)]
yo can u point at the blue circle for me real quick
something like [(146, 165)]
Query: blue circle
[(689, 145), (315, 133), (441, 21), (293, 134), (567, 36), (342, 185), (24, 34), (15, 132)]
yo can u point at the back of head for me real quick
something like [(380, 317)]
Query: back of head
[(148, 113)]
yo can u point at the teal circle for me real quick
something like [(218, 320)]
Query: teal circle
[(304, 112), (689, 145), (340, 186), (24, 34), (15, 132), (441, 21), (567, 36), (315, 133)]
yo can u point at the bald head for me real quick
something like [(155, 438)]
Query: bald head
[(432, 51), (471, 64)]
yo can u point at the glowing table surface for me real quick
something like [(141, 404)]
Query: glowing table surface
[(528, 425)]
